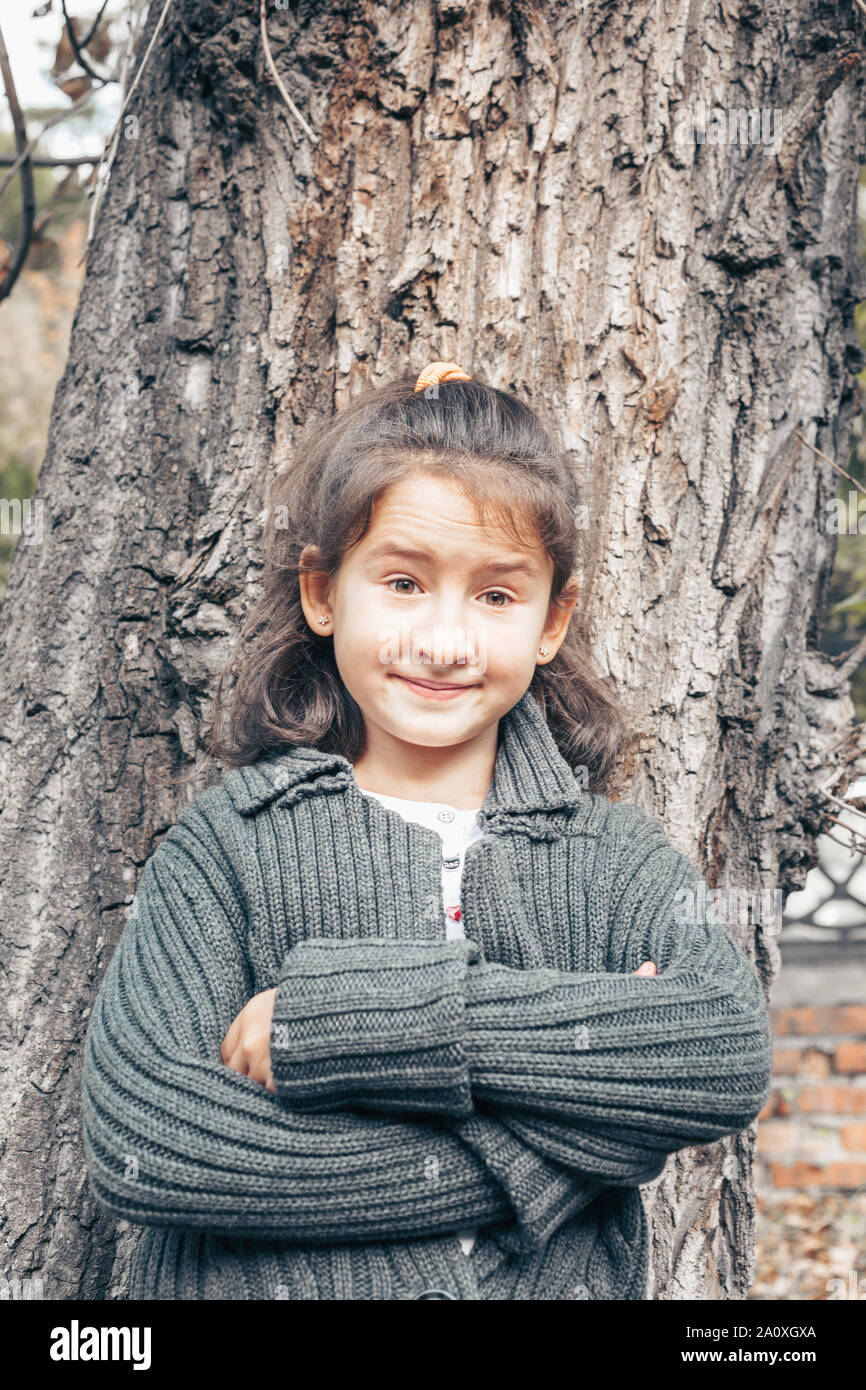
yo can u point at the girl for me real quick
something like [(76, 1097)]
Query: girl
[(383, 1021)]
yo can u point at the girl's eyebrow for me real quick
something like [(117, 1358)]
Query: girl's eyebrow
[(516, 565)]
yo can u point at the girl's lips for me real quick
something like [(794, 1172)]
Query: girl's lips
[(442, 692)]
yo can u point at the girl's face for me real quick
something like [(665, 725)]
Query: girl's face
[(429, 593)]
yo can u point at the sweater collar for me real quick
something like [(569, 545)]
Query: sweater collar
[(529, 773)]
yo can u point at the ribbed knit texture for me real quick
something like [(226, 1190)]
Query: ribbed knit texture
[(522, 1082)]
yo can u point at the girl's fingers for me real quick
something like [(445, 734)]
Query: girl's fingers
[(648, 968), (259, 1070), (227, 1046)]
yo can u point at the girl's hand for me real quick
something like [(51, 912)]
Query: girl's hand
[(648, 968), (246, 1046)]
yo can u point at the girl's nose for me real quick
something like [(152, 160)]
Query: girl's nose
[(453, 646)]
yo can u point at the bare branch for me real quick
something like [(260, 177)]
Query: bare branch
[(77, 48), (44, 161), (831, 462), (28, 193), (843, 843), (857, 841), (94, 26), (852, 660), (276, 76), (846, 805), (55, 120)]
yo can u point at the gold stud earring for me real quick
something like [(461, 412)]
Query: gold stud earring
[(543, 651), (324, 621)]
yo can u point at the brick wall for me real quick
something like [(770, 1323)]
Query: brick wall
[(812, 1132)]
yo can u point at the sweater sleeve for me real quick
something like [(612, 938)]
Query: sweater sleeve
[(606, 1072), (173, 1137)]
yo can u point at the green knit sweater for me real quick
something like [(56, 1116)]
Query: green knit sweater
[(522, 1082)]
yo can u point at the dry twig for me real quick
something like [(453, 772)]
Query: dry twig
[(832, 462), (78, 48), (846, 805), (852, 660), (843, 843), (115, 134), (28, 194), (53, 120), (276, 76)]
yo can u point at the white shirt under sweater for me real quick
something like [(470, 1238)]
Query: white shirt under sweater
[(459, 829)]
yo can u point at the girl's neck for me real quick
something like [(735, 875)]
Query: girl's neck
[(463, 786), (447, 794)]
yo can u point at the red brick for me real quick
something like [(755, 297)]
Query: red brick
[(794, 1061), (854, 1137), (850, 1057), (786, 1061), (845, 1175), (797, 1022), (803, 1061), (814, 1063), (795, 1174), (847, 1018), (832, 1100)]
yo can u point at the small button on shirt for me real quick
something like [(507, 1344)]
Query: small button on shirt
[(459, 829)]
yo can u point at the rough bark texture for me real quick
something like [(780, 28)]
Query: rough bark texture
[(497, 184)]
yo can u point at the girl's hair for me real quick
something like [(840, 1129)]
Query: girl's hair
[(288, 690)]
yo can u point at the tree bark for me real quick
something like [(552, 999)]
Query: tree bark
[(500, 186)]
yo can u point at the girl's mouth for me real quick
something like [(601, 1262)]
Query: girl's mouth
[(436, 692)]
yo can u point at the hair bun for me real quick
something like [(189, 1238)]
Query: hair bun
[(440, 371)]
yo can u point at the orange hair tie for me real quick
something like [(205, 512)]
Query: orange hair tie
[(440, 371)]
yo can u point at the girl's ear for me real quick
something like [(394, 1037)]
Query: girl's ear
[(559, 614), (310, 555), (314, 588), (568, 597)]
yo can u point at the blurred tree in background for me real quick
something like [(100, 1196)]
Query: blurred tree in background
[(36, 321), (846, 603), (37, 317)]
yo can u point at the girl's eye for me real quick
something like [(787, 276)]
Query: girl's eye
[(499, 592)]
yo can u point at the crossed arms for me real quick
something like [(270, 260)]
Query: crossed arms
[(419, 1088)]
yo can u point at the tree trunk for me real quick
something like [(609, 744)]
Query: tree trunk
[(501, 186)]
